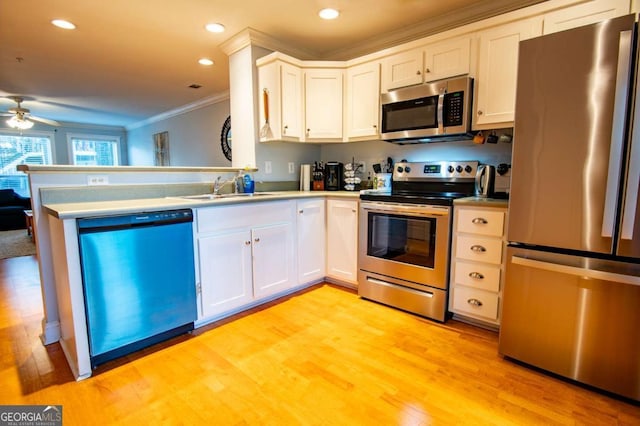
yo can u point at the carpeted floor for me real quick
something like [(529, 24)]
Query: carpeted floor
[(16, 243)]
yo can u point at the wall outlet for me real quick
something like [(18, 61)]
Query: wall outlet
[(291, 168), (97, 180), (267, 167)]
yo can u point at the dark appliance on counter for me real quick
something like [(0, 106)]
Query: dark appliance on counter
[(485, 181), (405, 236), (333, 179), (572, 289), (138, 279), (428, 112)]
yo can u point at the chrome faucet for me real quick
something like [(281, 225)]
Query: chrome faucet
[(217, 186)]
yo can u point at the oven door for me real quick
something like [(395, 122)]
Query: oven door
[(405, 241)]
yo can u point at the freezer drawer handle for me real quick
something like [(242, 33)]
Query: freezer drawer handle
[(476, 275), (474, 302), (478, 248), (573, 270), (479, 221)]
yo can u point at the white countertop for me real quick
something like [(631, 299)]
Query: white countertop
[(481, 202), (103, 208)]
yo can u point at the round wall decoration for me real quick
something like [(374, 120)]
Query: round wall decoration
[(225, 138)]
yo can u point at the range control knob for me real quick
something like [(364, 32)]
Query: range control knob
[(450, 169), (399, 169), (459, 169), (407, 169), (468, 168)]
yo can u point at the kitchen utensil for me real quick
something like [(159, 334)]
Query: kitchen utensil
[(265, 131), (377, 168), (492, 138), (478, 138)]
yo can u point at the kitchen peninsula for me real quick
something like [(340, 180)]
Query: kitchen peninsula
[(285, 219)]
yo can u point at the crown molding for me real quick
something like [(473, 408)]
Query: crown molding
[(201, 103), (252, 37), (460, 17)]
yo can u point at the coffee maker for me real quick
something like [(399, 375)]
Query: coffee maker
[(333, 176)]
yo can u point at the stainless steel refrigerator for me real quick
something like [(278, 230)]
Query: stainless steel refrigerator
[(572, 289)]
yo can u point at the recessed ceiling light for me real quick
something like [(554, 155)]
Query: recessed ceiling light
[(205, 61), (328, 13), (61, 23), (215, 28)]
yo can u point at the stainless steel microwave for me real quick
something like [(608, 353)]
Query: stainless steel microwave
[(430, 111)]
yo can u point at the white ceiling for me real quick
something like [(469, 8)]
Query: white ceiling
[(131, 60)]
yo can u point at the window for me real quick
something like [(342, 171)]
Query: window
[(22, 148), (94, 150)]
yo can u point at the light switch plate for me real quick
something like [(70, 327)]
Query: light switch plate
[(267, 167), (291, 168)]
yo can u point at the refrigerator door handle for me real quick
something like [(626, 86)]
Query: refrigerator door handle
[(617, 133), (633, 179), (579, 272)]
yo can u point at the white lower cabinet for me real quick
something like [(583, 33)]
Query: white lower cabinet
[(342, 240), (478, 264), (225, 271), (311, 235), (245, 253)]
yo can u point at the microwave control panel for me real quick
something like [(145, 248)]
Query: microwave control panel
[(453, 109)]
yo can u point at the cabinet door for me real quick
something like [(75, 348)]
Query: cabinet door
[(498, 68), (291, 79), (273, 259), (403, 69), (225, 271), (584, 14), (363, 100), (447, 59), (311, 240), (323, 104), (342, 240)]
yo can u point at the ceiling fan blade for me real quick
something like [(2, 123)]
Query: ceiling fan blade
[(43, 120), (6, 114)]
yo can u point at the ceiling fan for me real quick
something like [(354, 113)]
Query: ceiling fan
[(21, 118)]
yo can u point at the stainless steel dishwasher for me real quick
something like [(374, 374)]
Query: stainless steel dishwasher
[(139, 280)]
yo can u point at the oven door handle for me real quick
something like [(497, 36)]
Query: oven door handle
[(409, 210)]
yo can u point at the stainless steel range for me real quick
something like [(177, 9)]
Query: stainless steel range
[(405, 236)]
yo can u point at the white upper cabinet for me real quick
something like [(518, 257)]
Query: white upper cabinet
[(283, 83), (402, 69), (363, 100), (586, 13), (323, 104), (447, 59), (495, 82), (436, 61)]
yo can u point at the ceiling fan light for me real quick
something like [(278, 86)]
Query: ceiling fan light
[(61, 23), (19, 123)]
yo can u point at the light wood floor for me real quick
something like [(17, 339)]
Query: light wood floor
[(320, 357)]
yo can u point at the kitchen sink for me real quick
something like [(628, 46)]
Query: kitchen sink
[(206, 197)]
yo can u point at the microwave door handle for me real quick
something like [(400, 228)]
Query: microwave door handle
[(440, 114), (617, 133)]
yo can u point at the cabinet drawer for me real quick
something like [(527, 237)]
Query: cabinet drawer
[(476, 302), (478, 275), (478, 248), (248, 214), (481, 222)]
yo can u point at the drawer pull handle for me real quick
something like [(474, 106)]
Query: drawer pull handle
[(478, 248), (479, 221), (474, 302), (476, 275)]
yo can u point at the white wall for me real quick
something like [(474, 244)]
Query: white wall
[(194, 138)]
